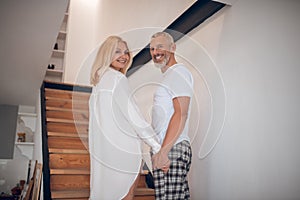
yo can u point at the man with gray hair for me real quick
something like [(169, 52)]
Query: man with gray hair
[(170, 121)]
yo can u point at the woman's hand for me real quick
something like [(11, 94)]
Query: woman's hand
[(161, 161)]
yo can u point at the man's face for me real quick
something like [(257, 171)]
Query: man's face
[(160, 51)]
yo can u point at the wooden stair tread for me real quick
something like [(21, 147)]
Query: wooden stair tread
[(59, 91), (50, 108), (67, 127), (70, 171), (86, 193), (69, 161), (144, 192), (65, 94), (67, 116), (67, 103), (68, 151), (77, 104), (68, 143), (70, 121), (58, 134), (70, 194), (67, 182)]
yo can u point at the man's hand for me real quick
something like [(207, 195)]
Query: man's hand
[(161, 161)]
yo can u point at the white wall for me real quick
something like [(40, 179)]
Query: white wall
[(249, 75), (116, 17), (81, 30), (91, 22), (256, 48)]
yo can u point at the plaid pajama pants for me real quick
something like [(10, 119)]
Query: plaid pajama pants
[(174, 184)]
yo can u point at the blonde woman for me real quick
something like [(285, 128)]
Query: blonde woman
[(116, 125)]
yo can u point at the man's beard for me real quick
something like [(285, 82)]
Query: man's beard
[(163, 64)]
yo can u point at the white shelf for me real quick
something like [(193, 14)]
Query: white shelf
[(62, 35), (26, 148), (27, 114), (59, 52), (25, 143), (54, 72)]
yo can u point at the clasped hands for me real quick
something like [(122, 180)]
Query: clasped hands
[(161, 161)]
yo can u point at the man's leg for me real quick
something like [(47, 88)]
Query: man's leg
[(174, 185), (159, 184)]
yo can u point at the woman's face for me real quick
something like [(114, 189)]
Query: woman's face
[(120, 57)]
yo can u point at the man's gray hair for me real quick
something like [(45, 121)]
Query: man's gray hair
[(164, 34)]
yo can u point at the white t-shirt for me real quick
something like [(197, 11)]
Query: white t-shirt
[(115, 129), (177, 82)]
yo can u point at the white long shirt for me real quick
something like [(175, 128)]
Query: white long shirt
[(115, 129)]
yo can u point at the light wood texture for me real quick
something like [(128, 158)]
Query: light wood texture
[(69, 161), (67, 143), (70, 194), (144, 191), (144, 194), (68, 151), (70, 171), (69, 182), (67, 117), (142, 181), (37, 181), (60, 104), (72, 117), (76, 135), (64, 94), (29, 190), (67, 127)]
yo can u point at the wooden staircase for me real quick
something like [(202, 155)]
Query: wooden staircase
[(65, 137)]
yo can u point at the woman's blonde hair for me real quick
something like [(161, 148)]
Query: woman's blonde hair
[(104, 58)]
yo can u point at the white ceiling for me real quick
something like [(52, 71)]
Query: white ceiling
[(27, 35)]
